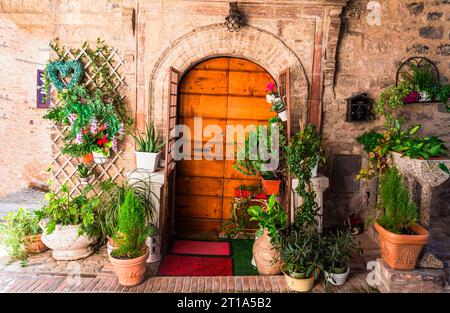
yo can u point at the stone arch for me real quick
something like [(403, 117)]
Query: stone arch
[(254, 44)]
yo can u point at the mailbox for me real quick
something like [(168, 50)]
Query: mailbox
[(359, 108)]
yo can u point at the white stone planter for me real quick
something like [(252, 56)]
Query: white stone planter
[(99, 158), (337, 279), (283, 115), (66, 244), (147, 160)]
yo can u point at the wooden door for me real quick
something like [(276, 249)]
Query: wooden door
[(222, 91)]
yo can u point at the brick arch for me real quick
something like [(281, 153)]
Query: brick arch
[(254, 44)]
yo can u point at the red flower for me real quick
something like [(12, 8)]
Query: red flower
[(270, 87), (102, 140)]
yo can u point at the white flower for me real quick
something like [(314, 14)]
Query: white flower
[(270, 98)]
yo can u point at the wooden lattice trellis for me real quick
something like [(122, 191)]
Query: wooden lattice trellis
[(63, 166)]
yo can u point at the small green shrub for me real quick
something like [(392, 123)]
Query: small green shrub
[(150, 141)]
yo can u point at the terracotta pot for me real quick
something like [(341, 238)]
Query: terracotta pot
[(34, 244), (271, 187), (241, 193), (299, 284), (401, 252), (130, 272), (87, 158), (264, 255)]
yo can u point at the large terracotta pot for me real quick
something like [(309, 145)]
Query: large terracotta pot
[(264, 256), (34, 244), (130, 272), (271, 186), (66, 244), (401, 252)]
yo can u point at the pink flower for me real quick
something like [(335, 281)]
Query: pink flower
[(270, 87), (94, 125), (121, 130), (114, 144), (72, 117), (79, 138)]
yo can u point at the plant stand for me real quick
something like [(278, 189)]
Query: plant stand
[(320, 184), (429, 175)]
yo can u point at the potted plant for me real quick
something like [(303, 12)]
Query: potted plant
[(84, 173), (21, 234), (69, 224), (270, 183), (301, 255), (401, 237), (339, 247), (277, 102), (130, 254), (270, 218), (149, 147), (243, 192)]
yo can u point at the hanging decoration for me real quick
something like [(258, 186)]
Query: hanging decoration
[(58, 69)]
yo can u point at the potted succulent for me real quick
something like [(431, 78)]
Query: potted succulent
[(21, 234), (339, 247), (84, 173), (401, 237), (149, 147), (277, 102), (301, 256), (69, 224), (270, 218), (130, 253)]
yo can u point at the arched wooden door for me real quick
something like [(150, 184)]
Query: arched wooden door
[(222, 91)]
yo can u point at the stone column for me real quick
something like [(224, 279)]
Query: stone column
[(157, 182), (320, 184)]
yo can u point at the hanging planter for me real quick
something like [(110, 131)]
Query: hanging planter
[(87, 158), (283, 115), (271, 187), (99, 158)]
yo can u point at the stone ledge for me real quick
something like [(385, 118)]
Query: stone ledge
[(417, 280)]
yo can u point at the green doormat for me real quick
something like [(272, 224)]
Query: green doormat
[(241, 253)]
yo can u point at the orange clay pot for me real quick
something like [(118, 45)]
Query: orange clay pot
[(265, 256), (401, 252), (271, 187), (87, 158), (130, 272)]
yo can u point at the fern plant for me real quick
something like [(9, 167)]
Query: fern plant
[(398, 212), (150, 141)]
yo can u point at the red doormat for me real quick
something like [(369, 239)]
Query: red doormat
[(183, 265), (201, 247)]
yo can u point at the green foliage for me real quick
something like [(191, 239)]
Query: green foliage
[(56, 69), (150, 141), (398, 212), (271, 217), (301, 251), (132, 228), (391, 99), (15, 227), (302, 154), (113, 197), (369, 140), (339, 248), (422, 78), (83, 170), (65, 210)]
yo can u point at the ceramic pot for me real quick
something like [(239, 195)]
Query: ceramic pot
[(299, 284), (34, 244), (337, 279), (271, 186), (130, 272), (66, 244), (283, 115), (99, 158), (86, 180), (401, 252), (87, 158), (264, 255), (147, 160)]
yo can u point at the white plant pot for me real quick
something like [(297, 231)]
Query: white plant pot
[(99, 158), (337, 279), (66, 244), (154, 249), (86, 180), (315, 170), (283, 115), (147, 161)]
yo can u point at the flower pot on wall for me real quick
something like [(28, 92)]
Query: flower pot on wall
[(401, 252), (271, 186), (264, 256), (67, 244), (337, 279), (147, 160), (241, 193), (299, 284), (99, 158), (130, 272), (86, 180), (283, 115), (87, 158)]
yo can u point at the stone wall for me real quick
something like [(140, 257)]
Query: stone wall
[(367, 61)]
